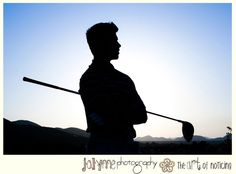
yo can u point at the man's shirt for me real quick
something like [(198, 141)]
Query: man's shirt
[(111, 102)]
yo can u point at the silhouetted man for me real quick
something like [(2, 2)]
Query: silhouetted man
[(111, 102)]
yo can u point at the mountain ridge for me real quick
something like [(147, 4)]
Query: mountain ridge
[(25, 123), (25, 137), (148, 138)]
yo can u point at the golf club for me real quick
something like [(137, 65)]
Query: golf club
[(187, 128)]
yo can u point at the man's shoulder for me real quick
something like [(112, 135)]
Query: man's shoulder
[(94, 73), (88, 74), (122, 75)]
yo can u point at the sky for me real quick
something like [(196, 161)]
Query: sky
[(178, 55)]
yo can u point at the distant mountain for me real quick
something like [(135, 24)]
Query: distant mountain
[(75, 132), (150, 138), (25, 123), (219, 139), (72, 130), (195, 138), (178, 139), (25, 137)]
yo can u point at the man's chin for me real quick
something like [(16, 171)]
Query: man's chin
[(114, 57)]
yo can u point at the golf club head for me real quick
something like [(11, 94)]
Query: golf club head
[(188, 131)]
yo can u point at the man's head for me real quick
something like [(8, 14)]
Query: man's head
[(103, 41)]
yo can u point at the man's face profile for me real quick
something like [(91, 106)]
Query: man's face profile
[(109, 47), (113, 47)]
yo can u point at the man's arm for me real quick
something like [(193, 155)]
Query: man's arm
[(116, 101)]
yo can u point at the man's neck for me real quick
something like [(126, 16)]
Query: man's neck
[(100, 60)]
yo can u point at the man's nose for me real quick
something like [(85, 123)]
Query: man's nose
[(119, 45)]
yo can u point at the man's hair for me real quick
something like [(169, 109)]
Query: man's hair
[(99, 33)]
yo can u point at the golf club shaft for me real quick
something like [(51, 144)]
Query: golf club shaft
[(75, 92), (48, 85), (164, 116)]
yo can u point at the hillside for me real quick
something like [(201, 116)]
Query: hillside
[(34, 139), (196, 138), (25, 137)]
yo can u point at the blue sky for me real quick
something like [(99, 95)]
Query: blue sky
[(178, 55)]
